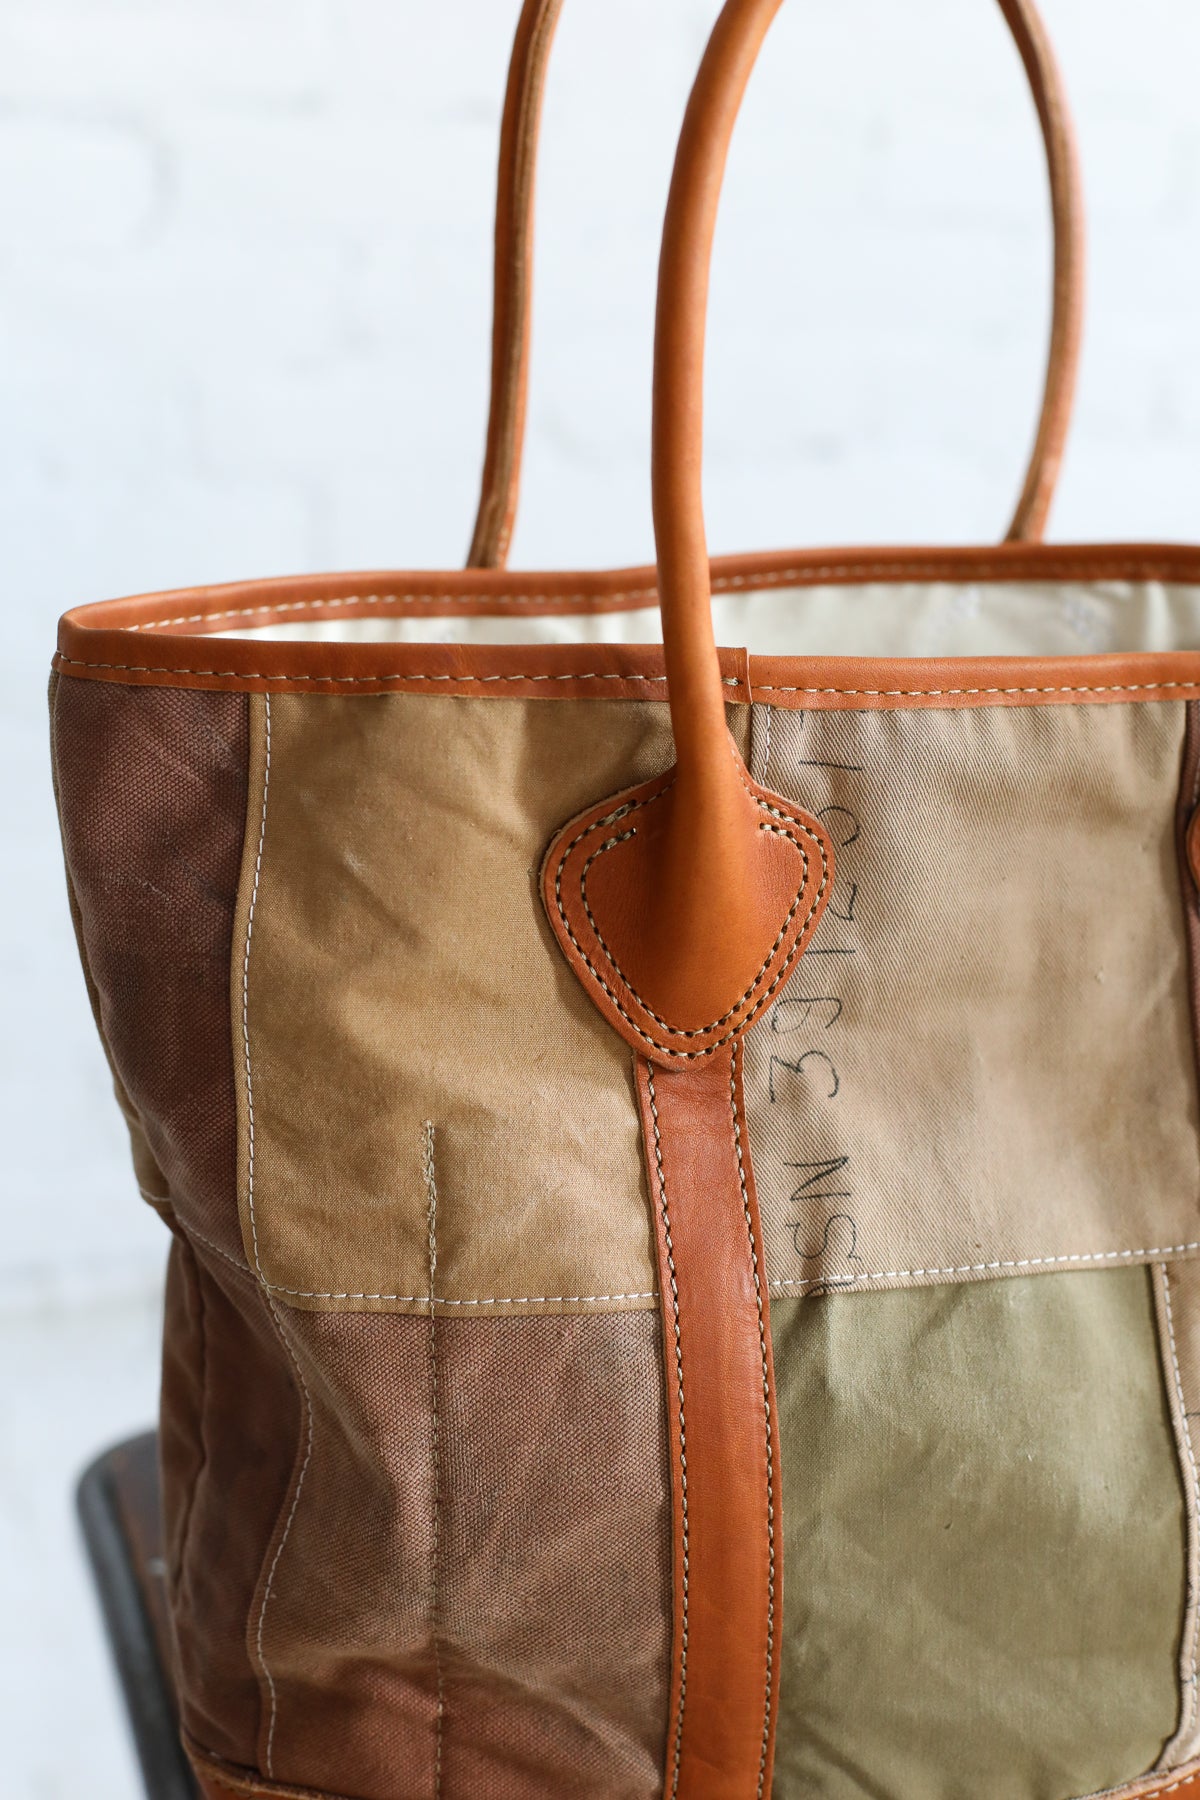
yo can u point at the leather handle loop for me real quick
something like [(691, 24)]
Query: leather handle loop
[(514, 276), (512, 284), (1070, 251)]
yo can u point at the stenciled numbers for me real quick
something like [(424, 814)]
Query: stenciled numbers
[(803, 1068)]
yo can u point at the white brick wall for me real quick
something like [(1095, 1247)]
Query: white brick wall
[(244, 310)]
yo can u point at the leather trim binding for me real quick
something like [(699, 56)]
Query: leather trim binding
[(723, 1431), (1181, 1784), (1187, 838), (164, 639)]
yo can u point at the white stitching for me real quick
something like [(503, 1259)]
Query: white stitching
[(677, 1752), (611, 844), (440, 1300), (294, 680), (1115, 687), (1186, 1432), (262, 833), (766, 1389), (435, 1602), (1137, 1790), (286, 1530), (262, 1616), (985, 1268), (764, 581), (235, 1262), (781, 975), (375, 601)]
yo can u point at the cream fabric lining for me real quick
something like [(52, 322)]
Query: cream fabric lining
[(1020, 618)]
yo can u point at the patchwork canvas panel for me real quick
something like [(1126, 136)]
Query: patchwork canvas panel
[(985, 1540), (476, 1572), (984, 1065), (394, 966), (319, 960), (152, 793)]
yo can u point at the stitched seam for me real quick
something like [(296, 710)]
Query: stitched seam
[(763, 1000), (1140, 1791), (766, 1391), (262, 834), (611, 844), (202, 1332), (1189, 1448), (262, 1615), (703, 1030), (984, 1268), (190, 1232), (440, 1300), (677, 1749), (298, 680), (435, 1598), (764, 582)]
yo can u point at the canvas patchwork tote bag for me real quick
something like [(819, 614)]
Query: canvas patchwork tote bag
[(683, 1162)]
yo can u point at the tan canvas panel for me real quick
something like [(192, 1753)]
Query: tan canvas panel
[(1006, 876), (392, 966), (984, 1540), (984, 1065)]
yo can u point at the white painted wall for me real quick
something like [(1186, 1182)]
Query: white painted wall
[(244, 307)]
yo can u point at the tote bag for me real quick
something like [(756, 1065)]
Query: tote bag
[(683, 1162)]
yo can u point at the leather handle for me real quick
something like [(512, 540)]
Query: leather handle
[(514, 276), (513, 283)]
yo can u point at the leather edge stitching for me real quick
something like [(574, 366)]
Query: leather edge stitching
[(677, 1744)]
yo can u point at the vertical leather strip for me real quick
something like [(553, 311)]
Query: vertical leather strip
[(1176, 1291), (727, 1586), (1185, 812)]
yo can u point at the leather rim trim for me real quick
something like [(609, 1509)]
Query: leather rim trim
[(1183, 1784), (166, 639)]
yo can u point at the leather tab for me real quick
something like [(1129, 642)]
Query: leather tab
[(675, 981)]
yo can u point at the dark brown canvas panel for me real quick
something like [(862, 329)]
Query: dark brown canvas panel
[(231, 1429), (152, 789), (514, 1580)]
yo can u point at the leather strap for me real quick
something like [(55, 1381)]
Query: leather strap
[(723, 1431), (514, 276)]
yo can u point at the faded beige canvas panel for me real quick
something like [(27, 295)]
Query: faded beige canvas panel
[(984, 1540), (997, 994), (984, 1065), (392, 966)]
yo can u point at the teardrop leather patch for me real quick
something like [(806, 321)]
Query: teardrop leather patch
[(601, 881)]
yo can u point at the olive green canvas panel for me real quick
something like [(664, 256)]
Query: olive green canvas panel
[(984, 1540)]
